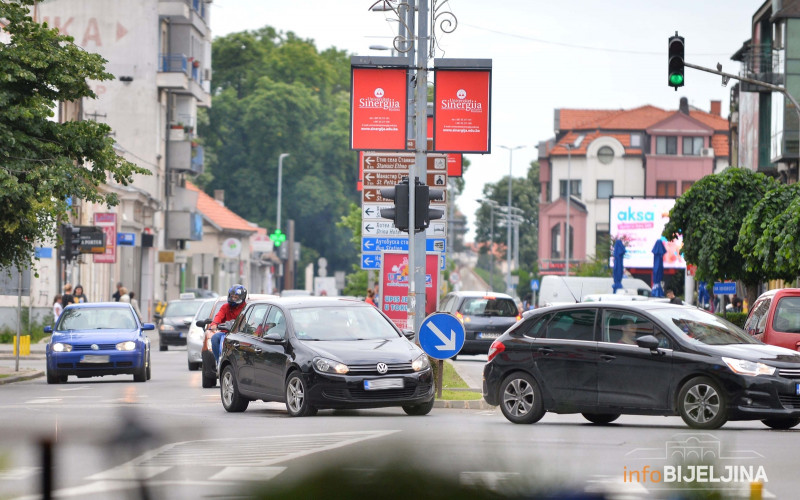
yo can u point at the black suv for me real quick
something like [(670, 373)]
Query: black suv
[(485, 316)]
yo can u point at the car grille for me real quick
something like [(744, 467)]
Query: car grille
[(94, 365), (359, 394), (789, 373), (88, 347), (789, 401), (372, 369)]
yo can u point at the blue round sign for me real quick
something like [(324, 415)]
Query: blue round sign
[(441, 336)]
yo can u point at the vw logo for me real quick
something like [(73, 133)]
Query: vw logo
[(95, 347), (382, 368)]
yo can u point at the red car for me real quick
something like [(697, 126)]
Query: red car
[(775, 318)]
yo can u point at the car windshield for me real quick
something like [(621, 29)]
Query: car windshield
[(90, 318), (182, 308), (205, 310), (700, 326), (489, 306), (341, 323)]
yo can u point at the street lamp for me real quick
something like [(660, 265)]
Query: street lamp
[(492, 204), (280, 181), (569, 198), (508, 229)]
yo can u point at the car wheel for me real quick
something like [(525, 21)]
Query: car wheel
[(54, 378), (193, 367), (149, 367), (600, 418), (232, 400), (521, 399), (209, 381), (418, 410), (162, 348), (140, 375), (297, 397), (702, 404), (781, 423)]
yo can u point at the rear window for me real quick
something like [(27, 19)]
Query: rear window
[(787, 315), (182, 308), (488, 306)]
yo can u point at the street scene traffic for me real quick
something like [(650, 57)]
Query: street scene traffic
[(424, 248)]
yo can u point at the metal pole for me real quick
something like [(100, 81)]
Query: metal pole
[(566, 230), (280, 182), (491, 253), (508, 217)]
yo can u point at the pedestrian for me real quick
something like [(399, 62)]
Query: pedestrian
[(78, 295), (672, 298), (135, 304), (66, 297), (123, 295), (57, 308), (117, 295), (370, 297), (377, 297), (237, 299)]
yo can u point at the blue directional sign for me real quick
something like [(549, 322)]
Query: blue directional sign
[(399, 243), (128, 239), (441, 336), (724, 288), (370, 261)]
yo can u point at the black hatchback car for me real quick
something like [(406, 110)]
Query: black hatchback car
[(173, 325), (485, 316), (315, 353), (644, 358)]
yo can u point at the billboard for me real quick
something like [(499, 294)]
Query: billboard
[(394, 286), (108, 223), (639, 223), (461, 120), (379, 97)]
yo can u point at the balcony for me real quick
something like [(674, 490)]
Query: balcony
[(193, 12), (185, 156), (763, 63), (183, 75)]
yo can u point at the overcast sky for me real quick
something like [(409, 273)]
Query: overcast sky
[(545, 55)]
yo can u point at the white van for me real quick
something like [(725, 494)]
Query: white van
[(556, 290)]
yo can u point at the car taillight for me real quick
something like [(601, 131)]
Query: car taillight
[(496, 348)]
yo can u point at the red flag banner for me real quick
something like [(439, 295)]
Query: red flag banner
[(379, 97), (461, 120)]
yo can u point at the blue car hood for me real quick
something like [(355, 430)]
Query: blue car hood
[(398, 350), (95, 337)]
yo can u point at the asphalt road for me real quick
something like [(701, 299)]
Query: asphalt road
[(111, 433)]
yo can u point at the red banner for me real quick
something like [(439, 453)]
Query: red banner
[(394, 286), (454, 165), (461, 111), (108, 222), (379, 99)]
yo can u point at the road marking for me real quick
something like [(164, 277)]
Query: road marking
[(18, 473), (39, 401), (237, 474)]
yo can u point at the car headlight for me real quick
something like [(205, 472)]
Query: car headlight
[(329, 366), (59, 347), (421, 363), (744, 367), (166, 328), (128, 345)]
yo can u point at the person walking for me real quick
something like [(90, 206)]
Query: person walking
[(123, 295), (117, 295), (78, 295), (370, 297), (135, 304), (66, 297), (57, 308)]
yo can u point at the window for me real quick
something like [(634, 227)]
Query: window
[(602, 247), (254, 317), (666, 145), (685, 185), (605, 189), (576, 324), (276, 317), (692, 146), (625, 328), (574, 187), (555, 242), (666, 189), (605, 154), (636, 141), (534, 328)]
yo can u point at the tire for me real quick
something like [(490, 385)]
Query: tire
[(521, 399), (232, 400), (54, 378), (149, 366), (193, 367), (600, 418), (140, 375), (209, 382), (162, 348), (702, 405), (781, 423), (296, 397), (419, 410)]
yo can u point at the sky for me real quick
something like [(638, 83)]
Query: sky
[(546, 55)]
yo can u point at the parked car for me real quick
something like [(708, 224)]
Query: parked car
[(686, 361), (207, 361), (775, 318), (485, 316), (194, 338), (557, 290), (96, 339), (314, 353), (173, 325)]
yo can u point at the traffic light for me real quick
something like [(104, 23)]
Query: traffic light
[(675, 61), (72, 242), (423, 213), (399, 214)]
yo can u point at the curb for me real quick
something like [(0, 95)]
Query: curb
[(19, 378), (470, 404)]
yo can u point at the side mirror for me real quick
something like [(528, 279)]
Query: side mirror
[(202, 323), (227, 325), (409, 334), (273, 337), (48, 329), (648, 342), (187, 322), (148, 326)]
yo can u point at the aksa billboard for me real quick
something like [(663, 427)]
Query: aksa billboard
[(639, 222)]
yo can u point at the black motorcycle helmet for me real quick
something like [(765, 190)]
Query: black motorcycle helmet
[(236, 295)]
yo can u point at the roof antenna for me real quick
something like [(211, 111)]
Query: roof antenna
[(570, 289)]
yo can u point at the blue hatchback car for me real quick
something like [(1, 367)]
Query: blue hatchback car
[(96, 339)]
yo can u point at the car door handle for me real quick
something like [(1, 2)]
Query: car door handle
[(546, 351), (257, 350), (607, 357)]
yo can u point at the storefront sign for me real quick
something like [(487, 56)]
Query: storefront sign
[(108, 223)]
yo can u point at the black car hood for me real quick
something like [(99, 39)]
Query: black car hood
[(770, 354), (398, 350), (176, 321)]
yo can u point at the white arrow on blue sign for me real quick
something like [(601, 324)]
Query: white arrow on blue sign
[(441, 336), (371, 261)]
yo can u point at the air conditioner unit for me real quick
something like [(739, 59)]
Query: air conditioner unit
[(709, 152)]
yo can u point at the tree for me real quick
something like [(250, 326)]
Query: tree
[(43, 163), (709, 217)]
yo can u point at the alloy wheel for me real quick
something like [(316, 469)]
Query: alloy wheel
[(701, 403), (295, 394), (518, 397), (227, 388)]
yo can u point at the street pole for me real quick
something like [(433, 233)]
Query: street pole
[(280, 182), (508, 225), (566, 230)]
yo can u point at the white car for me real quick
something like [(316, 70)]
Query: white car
[(194, 339)]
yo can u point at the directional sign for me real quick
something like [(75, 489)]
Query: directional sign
[(373, 210), (373, 195), (371, 261), (400, 243), (385, 227), (724, 288), (441, 336), (378, 178), (401, 161)]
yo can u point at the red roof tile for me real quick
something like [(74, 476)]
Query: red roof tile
[(217, 213)]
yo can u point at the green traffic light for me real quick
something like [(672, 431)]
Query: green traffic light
[(676, 79)]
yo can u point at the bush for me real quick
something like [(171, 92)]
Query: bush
[(36, 329), (737, 318)]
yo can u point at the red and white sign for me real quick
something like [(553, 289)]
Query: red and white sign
[(461, 111), (378, 109), (394, 286), (454, 160), (108, 222)]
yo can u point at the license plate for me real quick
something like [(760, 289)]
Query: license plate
[(90, 358), (488, 335), (797, 389), (183, 335), (387, 383)]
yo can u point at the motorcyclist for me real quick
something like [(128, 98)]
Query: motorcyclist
[(237, 295)]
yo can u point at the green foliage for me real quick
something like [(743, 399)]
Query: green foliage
[(737, 318), (594, 267), (34, 329), (709, 217), (42, 162)]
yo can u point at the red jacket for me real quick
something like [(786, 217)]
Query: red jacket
[(227, 313)]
